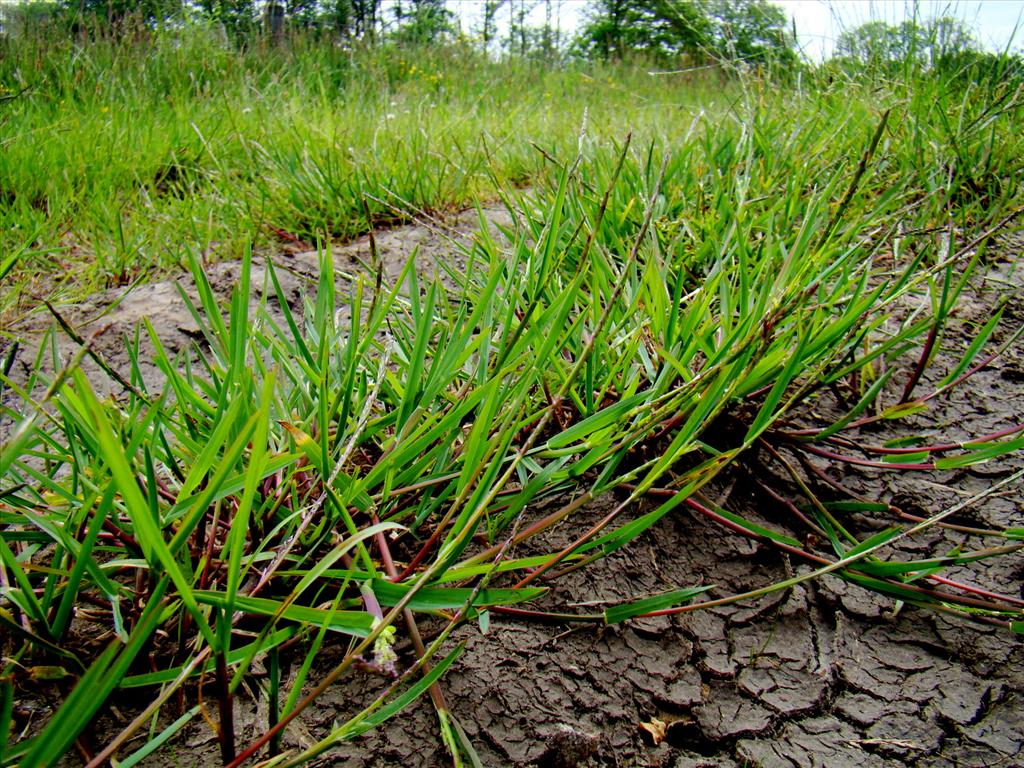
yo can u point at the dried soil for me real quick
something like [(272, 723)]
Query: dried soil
[(825, 674)]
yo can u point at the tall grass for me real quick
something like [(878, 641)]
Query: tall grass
[(667, 307), (122, 154)]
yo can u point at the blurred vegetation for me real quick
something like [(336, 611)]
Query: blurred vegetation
[(134, 132)]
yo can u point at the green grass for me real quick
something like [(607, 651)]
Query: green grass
[(118, 158), (667, 308)]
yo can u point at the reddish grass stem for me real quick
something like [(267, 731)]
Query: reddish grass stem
[(226, 730)]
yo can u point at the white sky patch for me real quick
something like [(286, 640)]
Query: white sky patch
[(820, 22)]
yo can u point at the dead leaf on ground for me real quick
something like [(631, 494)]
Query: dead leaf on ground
[(655, 729)]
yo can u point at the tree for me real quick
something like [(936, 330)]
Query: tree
[(749, 30), (947, 36), (661, 28), (870, 43), (423, 21), (754, 31), (518, 35), (303, 13), (353, 18), (878, 44), (490, 27), (239, 17), (117, 10)]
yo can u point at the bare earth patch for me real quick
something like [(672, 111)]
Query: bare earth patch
[(826, 674)]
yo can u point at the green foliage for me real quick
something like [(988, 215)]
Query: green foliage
[(117, 11), (239, 18), (753, 31), (662, 28), (192, 140), (18, 18), (933, 43), (423, 22)]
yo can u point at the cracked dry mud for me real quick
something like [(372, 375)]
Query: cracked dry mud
[(825, 674)]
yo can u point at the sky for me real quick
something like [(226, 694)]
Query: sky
[(820, 22)]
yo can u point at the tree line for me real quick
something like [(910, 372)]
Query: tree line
[(694, 32)]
